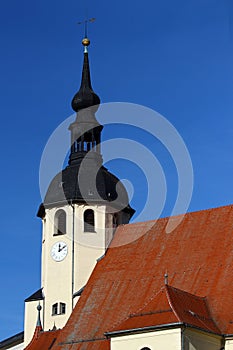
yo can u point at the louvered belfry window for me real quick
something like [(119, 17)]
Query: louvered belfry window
[(89, 221), (60, 223)]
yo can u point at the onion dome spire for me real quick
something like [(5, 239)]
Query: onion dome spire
[(85, 178), (86, 130), (85, 97)]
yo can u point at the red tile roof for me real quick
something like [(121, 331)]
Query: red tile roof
[(198, 257), (191, 309), (171, 306), (157, 312), (97, 345), (43, 340)]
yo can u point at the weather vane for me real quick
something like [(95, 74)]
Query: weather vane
[(85, 22)]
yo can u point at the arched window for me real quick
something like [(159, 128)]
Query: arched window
[(146, 348), (60, 222), (89, 221)]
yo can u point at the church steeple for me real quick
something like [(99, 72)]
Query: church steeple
[(82, 207), (85, 97), (85, 131)]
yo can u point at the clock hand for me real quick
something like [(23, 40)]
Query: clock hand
[(63, 247)]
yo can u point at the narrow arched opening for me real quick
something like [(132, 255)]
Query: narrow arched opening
[(60, 223), (89, 220)]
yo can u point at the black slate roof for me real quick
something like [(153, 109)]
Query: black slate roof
[(12, 341), (38, 295), (85, 97), (91, 184)]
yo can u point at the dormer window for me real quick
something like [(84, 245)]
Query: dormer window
[(89, 220), (60, 223)]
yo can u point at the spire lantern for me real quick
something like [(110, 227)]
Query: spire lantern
[(85, 131)]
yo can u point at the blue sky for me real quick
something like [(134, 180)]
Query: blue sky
[(175, 57)]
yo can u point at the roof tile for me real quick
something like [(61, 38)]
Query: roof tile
[(198, 258)]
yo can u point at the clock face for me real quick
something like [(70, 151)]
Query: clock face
[(59, 251)]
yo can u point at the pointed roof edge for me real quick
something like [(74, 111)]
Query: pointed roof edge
[(38, 295)]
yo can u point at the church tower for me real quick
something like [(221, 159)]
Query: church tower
[(83, 206)]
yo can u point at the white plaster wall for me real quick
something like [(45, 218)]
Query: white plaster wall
[(88, 247), (56, 277), (195, 340), (229, 344), (166, 340), (30, 320)]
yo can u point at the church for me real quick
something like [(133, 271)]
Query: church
[(110, 284)]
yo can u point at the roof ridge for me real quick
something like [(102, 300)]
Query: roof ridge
[(141, 308), (170, 302), (181, 214), (149, 313), (209, 313), (149, 300)]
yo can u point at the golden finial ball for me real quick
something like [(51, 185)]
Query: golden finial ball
[(86, 42)]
